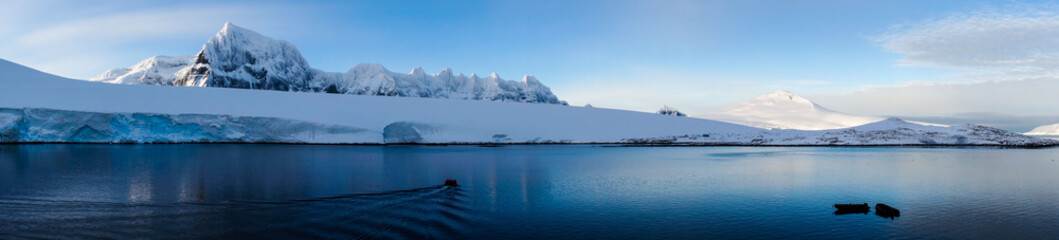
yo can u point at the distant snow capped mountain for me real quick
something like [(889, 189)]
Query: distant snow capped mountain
[(890, 131), (1046, 130), (784, 110), (239, 58)]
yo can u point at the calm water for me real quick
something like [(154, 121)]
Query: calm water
[(539, 192)]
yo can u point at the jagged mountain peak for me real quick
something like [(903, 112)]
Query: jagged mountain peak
[(230, 29), (418, 71), (240, 58), (155, 70), (233, 35), (365, 68), (237, 57), (530, 79)]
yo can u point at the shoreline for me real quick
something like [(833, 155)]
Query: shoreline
[(600, 144)]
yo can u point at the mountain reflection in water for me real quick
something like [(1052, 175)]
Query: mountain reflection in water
[(536, 192)]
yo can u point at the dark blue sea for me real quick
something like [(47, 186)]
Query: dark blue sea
[(227, 191)]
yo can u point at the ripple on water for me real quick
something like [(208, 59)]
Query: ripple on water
[(430, 212)]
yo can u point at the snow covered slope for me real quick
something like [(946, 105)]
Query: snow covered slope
[(1046, 130), (39, 107), (422, 120), (239, 58), (891, 131), (785, 110)]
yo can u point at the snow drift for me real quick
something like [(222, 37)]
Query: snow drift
[(239, 58)]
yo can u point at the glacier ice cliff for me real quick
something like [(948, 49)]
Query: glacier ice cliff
[(239, 58), (35, 125), (61, 126)]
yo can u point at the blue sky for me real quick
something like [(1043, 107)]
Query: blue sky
[(699, 56)]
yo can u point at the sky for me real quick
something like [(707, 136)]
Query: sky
[(988, 62)]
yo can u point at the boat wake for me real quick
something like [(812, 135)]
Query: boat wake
[(438, 212)]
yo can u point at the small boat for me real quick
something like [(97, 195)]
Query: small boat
[(884, 210), (451, 183), (852, 207)]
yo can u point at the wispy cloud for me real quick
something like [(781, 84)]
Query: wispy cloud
[(117, 29), (109, 36), (1011, 58), (1011, 42)]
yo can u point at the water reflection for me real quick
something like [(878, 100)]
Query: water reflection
[(569, 192), (850, 211)]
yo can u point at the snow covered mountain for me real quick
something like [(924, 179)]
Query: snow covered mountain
[(1046, 130), (239, 58), (157, 70), (891, 131), (45, 107), (784, 110), (39, 107)]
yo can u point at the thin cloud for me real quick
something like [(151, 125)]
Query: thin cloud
[(1018, 40), (121, 28), (1010, 56), (105, 36)]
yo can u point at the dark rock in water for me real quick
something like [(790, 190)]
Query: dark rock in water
[(886, 211), (451, 183)]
